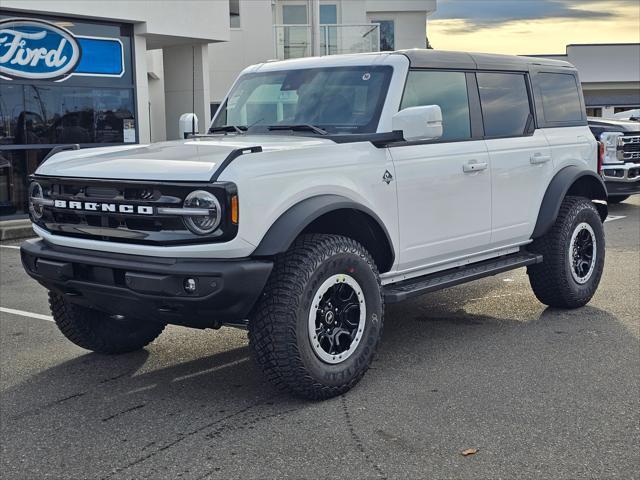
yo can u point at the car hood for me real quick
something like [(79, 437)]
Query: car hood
[(196, 159)]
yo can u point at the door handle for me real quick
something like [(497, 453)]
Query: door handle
[(538, 158), (474, 166)]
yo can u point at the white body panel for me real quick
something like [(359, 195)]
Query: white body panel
[(443, 211), (572, 146), (521, 169)]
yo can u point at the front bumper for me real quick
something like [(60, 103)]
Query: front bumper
[(150, 288), (622, 179)]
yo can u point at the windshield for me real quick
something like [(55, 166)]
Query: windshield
[(337, 100)]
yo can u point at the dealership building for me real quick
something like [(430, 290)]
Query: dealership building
[(109, 73)]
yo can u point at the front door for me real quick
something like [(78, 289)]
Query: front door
[(444, 187)]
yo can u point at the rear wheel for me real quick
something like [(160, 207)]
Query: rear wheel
[(317, 326), (573, 256), (97, 331), (617, 199)]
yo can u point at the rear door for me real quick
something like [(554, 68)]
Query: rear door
[(521, 162)]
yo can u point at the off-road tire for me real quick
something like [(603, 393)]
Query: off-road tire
[(552, 280), (617, 198), (279, 324), (96, 331)]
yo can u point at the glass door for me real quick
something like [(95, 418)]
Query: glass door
[(297, 37), (328, 29)]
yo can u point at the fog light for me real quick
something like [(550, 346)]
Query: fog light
[(190, 285)]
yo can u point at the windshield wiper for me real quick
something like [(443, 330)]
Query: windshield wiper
[(301, 126), (229, 128)]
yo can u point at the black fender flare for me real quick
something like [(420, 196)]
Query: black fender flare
[(292, 222), (558, 189)]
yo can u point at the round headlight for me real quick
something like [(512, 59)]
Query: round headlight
[(208, 219), (36, 196)]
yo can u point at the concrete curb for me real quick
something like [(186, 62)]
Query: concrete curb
[(13, 229)]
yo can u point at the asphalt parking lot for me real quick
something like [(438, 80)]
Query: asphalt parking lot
[(541, 393)]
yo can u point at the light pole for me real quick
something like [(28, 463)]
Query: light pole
[(315, 27)]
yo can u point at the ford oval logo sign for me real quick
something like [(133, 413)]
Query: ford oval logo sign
[(36, 50)]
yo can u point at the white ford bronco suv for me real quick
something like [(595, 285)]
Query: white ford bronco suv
[(324, 189)]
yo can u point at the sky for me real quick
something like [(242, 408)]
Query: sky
[(531, 26)]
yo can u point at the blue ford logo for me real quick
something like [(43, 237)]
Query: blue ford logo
[(36, 49)]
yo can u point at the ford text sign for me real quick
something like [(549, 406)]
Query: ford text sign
[(37, 50)]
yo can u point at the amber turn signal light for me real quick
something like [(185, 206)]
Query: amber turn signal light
[(234, 209)]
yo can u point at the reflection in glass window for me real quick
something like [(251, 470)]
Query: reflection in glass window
[(337, 99), (328, 14), (447, 90), (387, 35), (505, 104), (294, 14), (560, 97), (234, 13), (56, 114), (11, 106)]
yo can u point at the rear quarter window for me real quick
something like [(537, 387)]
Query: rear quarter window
[(560, 97)]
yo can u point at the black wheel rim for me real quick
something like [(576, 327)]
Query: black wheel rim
[(336, 319), (583, 253)]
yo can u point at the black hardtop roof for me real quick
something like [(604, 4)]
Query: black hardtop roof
[(423, 58)]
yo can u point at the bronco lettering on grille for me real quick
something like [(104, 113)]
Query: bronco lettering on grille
[(104, 207)]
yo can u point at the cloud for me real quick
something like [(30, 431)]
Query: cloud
[(473, 15)]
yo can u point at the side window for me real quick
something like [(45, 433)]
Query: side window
[(505, 104), (449, 91), (560, 97)]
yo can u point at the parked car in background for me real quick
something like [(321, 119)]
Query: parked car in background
[(620, 156)]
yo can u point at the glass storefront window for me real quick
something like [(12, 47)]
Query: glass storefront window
[(52, 114), (11, 107)]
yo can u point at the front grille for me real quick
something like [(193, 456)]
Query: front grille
[(631, 148), (111, 222)]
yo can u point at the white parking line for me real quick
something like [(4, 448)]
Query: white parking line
[(612, 218), (14, 247), (22, 313)]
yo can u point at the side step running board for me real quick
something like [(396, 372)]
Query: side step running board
[(397, 292)]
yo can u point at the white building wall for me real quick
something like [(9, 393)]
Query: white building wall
[(155, 75), (252, 43), (606, 63), (142, 88), (410, 30), (186, 84), (185, 19)]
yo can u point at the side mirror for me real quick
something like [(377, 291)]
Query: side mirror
[(187, 125), (419, 123)]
